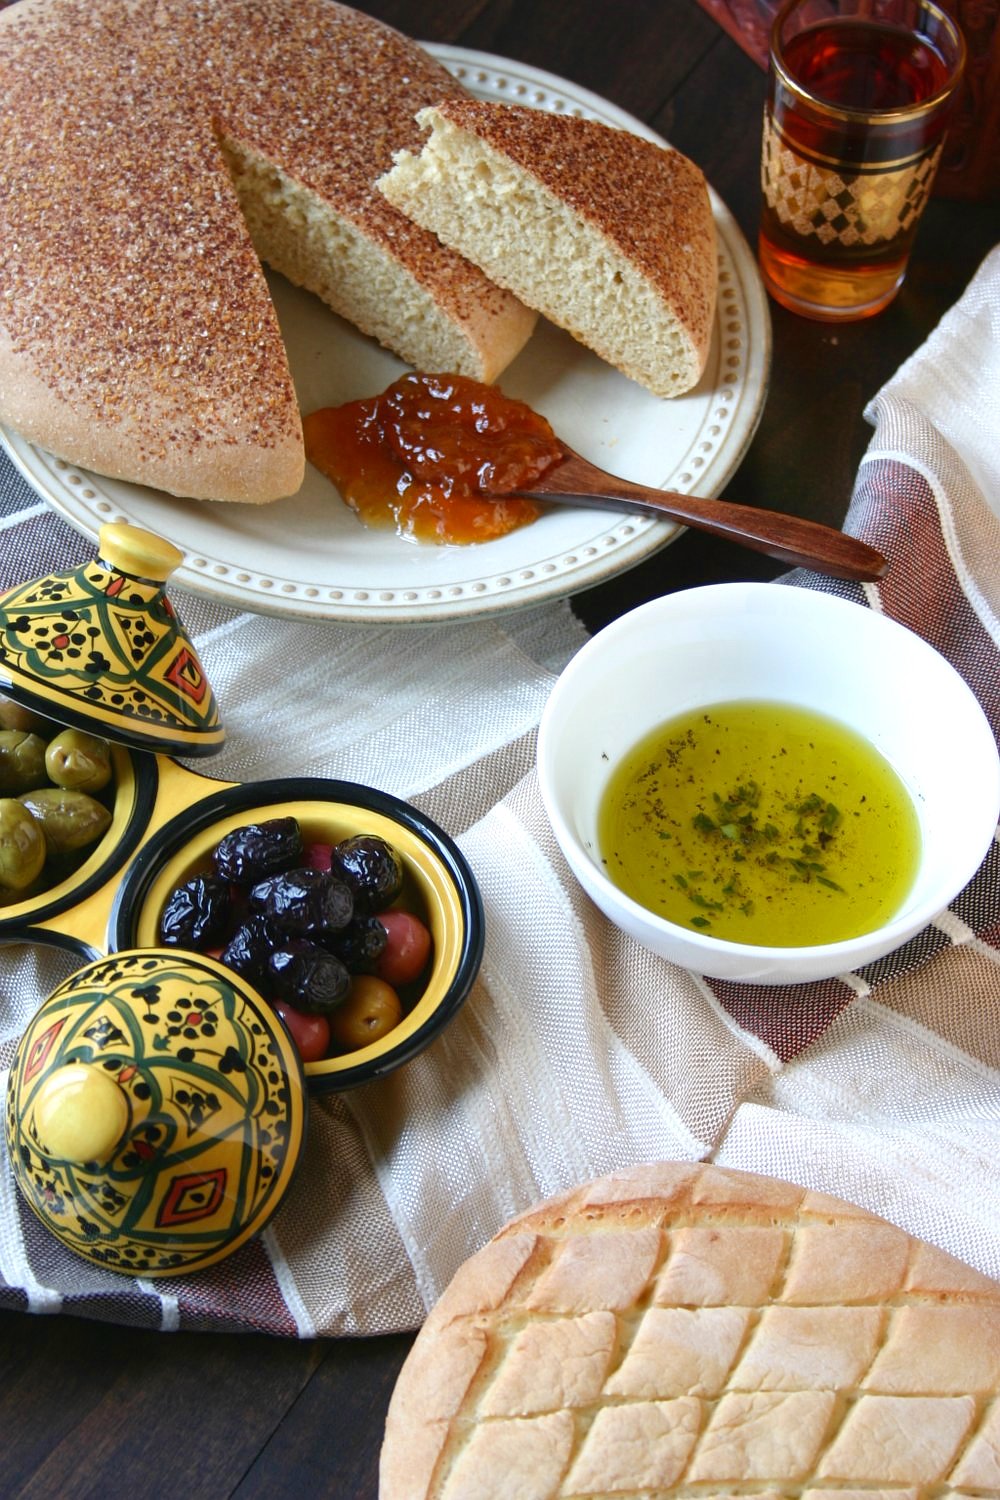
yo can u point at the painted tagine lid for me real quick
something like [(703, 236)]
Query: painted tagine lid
[(101, 648), (155, 1112)]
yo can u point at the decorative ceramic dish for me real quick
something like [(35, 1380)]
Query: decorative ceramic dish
[(156, 1105), (438, 885), (101, 647), (155, 1113), (163, 819)]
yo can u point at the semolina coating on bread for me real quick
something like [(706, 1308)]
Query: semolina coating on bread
[(679, 1330), (608, 235), (150, 157)]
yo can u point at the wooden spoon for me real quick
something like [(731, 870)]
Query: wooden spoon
[(792, 539)]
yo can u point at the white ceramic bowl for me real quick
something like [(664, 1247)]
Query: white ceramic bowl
[(786, 644)]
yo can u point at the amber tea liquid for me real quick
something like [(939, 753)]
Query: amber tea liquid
[(853, 131)]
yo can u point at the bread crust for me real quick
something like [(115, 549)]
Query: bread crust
[(137, 334), (680, 1328)]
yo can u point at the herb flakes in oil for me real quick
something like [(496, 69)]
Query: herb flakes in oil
[(761, 823)]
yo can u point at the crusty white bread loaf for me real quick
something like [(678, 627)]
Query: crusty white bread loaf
[(610, 236), (682, 1330), (137, 143)]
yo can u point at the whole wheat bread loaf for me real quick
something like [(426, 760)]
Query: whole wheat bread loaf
[(680, 1330), (149, 155), (609, 235)]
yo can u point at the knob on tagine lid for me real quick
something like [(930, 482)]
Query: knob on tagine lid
[(155, 1112), (100, 648)]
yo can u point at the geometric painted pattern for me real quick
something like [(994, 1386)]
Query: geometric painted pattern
[(111, 646), (192, 1197), (37, 1056), (870, 207), (215, 1112)]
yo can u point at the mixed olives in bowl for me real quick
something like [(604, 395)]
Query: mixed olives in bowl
[(313, 927), (347, 909)]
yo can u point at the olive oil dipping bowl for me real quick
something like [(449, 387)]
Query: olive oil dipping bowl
[(772, 644)]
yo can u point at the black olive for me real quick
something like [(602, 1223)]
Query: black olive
[(372, 869), (308, 977), (249, 949), (303, 902), (359, 945), (197, 913), (253, 852)]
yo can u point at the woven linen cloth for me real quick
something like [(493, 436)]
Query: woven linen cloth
[(578, 1052)]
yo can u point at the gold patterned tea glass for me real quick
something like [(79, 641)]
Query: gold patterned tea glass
[(859, 95)]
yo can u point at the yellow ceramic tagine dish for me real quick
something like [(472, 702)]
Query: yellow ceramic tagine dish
[(155, 1108), (100, 650), (101, 647), (155, 1112), (156, 1105)]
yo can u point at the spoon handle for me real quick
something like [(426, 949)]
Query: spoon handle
[(791, 539)]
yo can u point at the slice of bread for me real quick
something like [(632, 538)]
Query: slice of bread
[(608, 235), (149, 155), (681, 1330)]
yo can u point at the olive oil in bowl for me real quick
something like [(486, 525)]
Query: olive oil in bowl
[(761, 823)]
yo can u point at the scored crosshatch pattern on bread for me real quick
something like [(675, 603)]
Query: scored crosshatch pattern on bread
[(684, 1330)]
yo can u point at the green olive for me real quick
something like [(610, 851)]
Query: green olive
[(22, 761), (70, 820), (22, 846), (16, 716), (79, 761)]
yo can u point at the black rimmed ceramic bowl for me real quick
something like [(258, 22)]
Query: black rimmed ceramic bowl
[(438, 886)]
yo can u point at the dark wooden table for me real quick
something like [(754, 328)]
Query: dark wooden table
[(88, 1409)]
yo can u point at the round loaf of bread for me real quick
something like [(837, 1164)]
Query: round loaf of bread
[(684, 1330), (150, 155)]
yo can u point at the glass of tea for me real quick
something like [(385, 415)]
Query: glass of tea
[(859, 95)]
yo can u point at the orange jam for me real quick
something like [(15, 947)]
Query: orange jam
[(426, 454)]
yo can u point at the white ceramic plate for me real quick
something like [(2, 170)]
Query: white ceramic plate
[(308, 556)]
